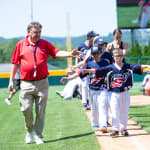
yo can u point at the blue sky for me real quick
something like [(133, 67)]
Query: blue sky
[(85, 15)]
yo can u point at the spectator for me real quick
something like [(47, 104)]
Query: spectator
[(117, 43)]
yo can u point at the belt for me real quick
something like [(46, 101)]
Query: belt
[(36, 79)]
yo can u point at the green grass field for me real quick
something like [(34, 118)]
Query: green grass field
[(136, 89), (66, 127), (141, 115)]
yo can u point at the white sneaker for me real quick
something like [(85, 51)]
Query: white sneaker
[(8, 101), (67, 98), (38, 140), (29, 137), (135, 22)]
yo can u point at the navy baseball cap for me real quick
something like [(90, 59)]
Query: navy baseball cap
[(99, 40), (92, 33), (95, 49)]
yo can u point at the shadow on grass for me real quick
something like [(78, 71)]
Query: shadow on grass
[(70, 137)]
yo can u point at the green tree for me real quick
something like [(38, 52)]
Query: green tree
[(146, 51), (6, 50), (136, 51)]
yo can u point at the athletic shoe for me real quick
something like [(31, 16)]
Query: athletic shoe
[(135, 21), (88, 107), (8, 101), (85, 106), (103, 129), (29, 137), (114, 133), (38, 140), (59, 93), (95, 127), (67, 98), (124, 132)]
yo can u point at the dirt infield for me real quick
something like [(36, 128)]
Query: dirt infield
[(138, 139)]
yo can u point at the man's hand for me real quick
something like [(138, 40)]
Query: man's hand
[(64, 79), (11, 86), (76, 53)]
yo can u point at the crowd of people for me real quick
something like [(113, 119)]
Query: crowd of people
[(101, 74), (109, 80)]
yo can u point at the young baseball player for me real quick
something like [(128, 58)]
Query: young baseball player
[(84, 48), (98, 92), (119, 81)]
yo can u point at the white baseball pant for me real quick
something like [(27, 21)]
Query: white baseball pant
[(119, 104), (85, 81), (99, 106), (70, 87), (93, 97), (103, 104)]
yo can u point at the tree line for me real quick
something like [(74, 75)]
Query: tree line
[(7, 48)]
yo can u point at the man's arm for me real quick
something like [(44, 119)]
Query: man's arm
[(13, 71), (73, 53)]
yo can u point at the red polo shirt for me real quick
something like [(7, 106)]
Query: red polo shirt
[(23, 55)]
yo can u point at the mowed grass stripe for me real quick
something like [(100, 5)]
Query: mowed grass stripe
[(66, 125), (141, 115)]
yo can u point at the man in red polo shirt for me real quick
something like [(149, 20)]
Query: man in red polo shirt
[(32, 53)]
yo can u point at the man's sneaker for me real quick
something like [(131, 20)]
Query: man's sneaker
[(8, 101), (114, 133), (88, 107), (38, 140), (103, 129), (85, 106), (59, 93), (95, 127), (29, 137), (124, 133)]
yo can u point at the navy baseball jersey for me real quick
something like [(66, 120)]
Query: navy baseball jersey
[(119, 80), (84, 49), (95, 83)]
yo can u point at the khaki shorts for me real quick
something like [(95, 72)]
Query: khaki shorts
[(33, 91)]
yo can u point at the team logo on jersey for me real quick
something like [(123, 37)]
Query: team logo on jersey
[(117, 82), (96, 80)]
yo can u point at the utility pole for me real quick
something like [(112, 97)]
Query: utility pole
[(68, 39)]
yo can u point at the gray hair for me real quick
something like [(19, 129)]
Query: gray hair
[(33, 25)]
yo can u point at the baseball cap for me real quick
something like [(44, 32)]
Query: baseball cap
[(99, 40), (95, 49), (92, 33)]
